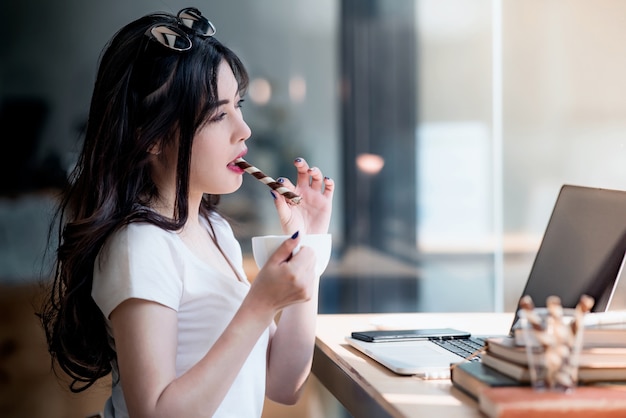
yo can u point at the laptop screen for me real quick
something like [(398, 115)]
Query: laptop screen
[(583, 248)]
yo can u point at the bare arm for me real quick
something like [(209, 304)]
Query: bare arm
[(291, 347), (291, 351)]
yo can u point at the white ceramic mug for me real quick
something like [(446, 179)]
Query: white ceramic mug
[(264, 246)]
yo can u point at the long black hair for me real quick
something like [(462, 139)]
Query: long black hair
[(145, 95)]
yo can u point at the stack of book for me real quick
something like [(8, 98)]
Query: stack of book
[(584, 402), (504, 365)]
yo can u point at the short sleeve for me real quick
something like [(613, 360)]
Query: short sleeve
[(137, 261)]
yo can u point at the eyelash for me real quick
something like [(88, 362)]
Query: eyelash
[(221, 116)]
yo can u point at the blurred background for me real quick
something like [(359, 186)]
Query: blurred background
[(449, 127)]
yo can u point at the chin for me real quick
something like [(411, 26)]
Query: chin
[(230, 190)]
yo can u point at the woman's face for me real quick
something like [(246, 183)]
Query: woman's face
[(220, 141)]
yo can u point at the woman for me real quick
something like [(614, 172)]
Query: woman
[(149, 283)]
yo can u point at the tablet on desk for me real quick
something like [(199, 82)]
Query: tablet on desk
[(375, 336)]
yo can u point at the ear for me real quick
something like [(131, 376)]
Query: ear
[(155, 149)]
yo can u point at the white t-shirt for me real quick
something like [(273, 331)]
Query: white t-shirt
[(144, 261)]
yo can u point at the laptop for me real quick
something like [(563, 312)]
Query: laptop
[(583, 251)]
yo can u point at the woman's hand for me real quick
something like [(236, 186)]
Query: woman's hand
[(285, 279), (312, 214)]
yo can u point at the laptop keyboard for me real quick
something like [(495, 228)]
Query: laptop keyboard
[(464, 347)]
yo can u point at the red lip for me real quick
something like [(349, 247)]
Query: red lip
[(235, 168), (242, 154), (232, 164)]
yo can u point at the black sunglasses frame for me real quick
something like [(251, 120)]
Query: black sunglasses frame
[(191, 18), (176, 38)]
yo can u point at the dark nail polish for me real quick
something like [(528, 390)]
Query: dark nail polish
[(295, 235), (280, 180), (298, 160), (273, 194)]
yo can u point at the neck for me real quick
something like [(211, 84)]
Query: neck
[(165, 206)]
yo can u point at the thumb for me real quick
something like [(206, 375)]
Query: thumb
[(285, 251)]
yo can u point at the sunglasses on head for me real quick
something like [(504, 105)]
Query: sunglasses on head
[(175, 37)]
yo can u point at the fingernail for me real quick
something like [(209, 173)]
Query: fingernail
[(273, 194), (295, 235), (280, 180), (326, 178), (298, 160)]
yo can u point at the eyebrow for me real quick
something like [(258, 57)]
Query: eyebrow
[(226, 101)]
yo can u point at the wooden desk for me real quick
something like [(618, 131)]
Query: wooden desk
[(368, 389)]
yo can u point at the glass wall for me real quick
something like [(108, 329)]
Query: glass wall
[(515, 100), (563, 114), (457, 155)]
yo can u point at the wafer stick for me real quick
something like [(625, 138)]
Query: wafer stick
[(527, 304), (264, 178), (584, 305)]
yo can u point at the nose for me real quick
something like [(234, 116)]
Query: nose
[(243, 132)]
